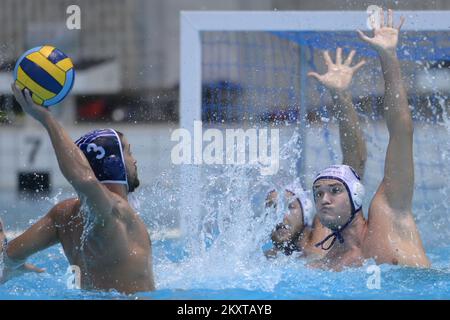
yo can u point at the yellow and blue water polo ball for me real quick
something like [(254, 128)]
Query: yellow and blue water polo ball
[(47, 72)]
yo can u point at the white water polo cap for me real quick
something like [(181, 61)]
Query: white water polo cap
[(350, 179), (305, 202)]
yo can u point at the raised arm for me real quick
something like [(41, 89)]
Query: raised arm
[(338, 79), (398, 182), (72, 162)]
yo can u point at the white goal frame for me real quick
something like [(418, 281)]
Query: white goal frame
[(192, 23)]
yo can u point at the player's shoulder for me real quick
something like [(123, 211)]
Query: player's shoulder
[(387, 222), (382, 204), (122, 208), (67, 204), (379, 209), (64, 207)]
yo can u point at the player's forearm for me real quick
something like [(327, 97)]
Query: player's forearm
[(353, 145), (397, 113), (72, 162), (38, 237)]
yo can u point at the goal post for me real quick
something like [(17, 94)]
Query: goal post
[(192, 23), (428, 40)]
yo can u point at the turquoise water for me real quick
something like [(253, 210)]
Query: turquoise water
[(285, 278), (231, 264), (214, 252)]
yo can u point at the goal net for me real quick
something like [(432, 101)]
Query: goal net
[(249, 69)]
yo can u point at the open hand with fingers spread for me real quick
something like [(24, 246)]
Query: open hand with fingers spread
[(385, 35), (339, 75)]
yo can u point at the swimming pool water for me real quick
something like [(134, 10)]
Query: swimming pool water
[(178, 277), (217, 252)]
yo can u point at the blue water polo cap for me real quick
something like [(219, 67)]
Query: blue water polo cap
[(103, 150)]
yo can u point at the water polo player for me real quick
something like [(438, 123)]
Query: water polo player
[(299, 231), (99, 231), (390, 234)]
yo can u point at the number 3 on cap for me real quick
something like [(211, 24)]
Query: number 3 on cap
[(95, 148)]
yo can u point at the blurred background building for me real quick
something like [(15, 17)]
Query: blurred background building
[(127, 51), (126, 56)]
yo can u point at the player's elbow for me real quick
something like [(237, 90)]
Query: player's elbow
[(407, 124), (410, 130), (403, 126)]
